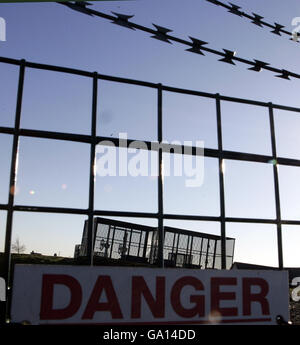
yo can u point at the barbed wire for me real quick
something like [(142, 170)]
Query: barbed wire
[(257, 19), (195, 45)]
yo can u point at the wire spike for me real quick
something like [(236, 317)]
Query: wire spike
[(229, 54), (161, 33), (122, 20), (216, 2), (162, 29), (257, 19), (235, 10), (277, 29), (79, 6), (284, 74), (84, 3), (258, 66), (197, 45)]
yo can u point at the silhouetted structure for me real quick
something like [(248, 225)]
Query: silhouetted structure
[(139, 243)]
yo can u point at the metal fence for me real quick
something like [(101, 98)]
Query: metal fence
[(93, 140), (137, 243)]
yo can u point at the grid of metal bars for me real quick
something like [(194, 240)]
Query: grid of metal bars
[(93, 139)]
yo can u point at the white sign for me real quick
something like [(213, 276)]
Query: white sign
[(126, 295)]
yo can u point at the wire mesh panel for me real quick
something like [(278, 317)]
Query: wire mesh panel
[(228, 202)]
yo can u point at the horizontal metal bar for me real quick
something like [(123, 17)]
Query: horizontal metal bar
[(55, 135), (285, 107), (250, 220), (10, 61), (222, 98), (242, 156), (54, 68), (214, 153), (243, 101), (34, 133), (3, 207), (79, 72), (228, 98), (127, 81), (46, 209), (144, 83), (7, 130), (125, 143), (191, 217), (125, 214), (288, 161), (188, 92), (290, 222), (259, 103)]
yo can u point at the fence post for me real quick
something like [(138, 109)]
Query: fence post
[(11, 195), (276, 187), (221, 182), (91, 235), (160, 179)]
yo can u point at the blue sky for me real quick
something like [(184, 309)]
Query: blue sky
[(55, 173)]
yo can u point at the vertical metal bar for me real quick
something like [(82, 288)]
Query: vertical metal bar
[(12, 188), (108, 233), (140, 241), (221, 182), (112, 242), (177, 245), (124, 245), (200, 254), (191, 250), (95, 232), (176, 251), (187, 245), (232, 254), (173, 244), (276, 187), (129, 243), (145, 243), (206, 258), (160, 179), (107, 242), (90, 237), (152, 248), (215, 251), (187, 248)]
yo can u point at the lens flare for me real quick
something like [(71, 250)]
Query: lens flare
[(215, 317), (14, 190)]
